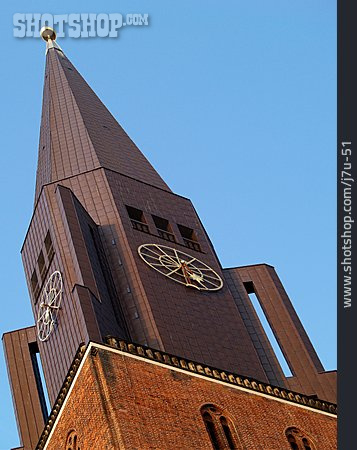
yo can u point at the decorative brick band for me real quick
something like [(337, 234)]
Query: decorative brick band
[(226, 377), (183, 364)]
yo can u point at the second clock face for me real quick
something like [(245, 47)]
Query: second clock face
[(49, 306), (180, 267)]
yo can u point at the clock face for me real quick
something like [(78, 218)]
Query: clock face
[(180, 267), (49, 306)]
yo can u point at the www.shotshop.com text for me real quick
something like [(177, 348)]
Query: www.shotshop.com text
[(346, 237)]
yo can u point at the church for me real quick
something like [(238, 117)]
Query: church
[(145, 340)]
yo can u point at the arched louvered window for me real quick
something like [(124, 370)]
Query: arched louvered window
[(211, 429), (227, 431), (72, 442), (220, 428), (298, 440), (292, 442)]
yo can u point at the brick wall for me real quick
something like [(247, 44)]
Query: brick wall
[(122, 401)]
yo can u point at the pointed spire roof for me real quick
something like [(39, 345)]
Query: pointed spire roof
[(78, 133)]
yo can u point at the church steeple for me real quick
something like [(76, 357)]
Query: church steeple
[(78, 133), (111, 254)]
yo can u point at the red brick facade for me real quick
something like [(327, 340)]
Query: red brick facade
[(123, 401)]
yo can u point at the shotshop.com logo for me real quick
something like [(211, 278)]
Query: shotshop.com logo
[(84, 25)]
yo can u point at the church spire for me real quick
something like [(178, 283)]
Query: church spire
[(78, 133)]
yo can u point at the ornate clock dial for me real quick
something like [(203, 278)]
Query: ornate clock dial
[(49, 306), (180, 267)]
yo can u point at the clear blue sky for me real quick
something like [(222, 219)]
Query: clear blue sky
[(233, 102)]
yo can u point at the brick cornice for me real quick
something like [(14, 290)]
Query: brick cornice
[(223, 376), (182, 364)]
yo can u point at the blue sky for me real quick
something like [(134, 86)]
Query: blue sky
[(233, 102)]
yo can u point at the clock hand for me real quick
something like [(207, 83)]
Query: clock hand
[(46, 305), (195, 277), (185, 272)]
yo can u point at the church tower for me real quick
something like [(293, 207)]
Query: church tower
[(112, 251)]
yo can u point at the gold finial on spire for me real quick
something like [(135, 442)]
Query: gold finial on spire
[(48, 34)]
